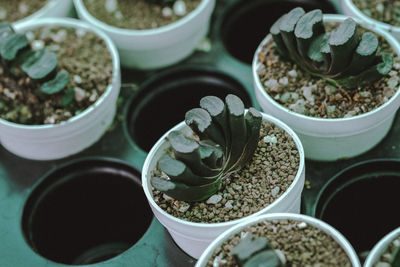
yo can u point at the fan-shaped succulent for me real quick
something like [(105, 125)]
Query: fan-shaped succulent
[(39, 65), (255, 252), (339, 56), (228, 138)]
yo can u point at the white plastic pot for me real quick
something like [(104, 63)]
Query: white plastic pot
[(338, 237), (380, 248), (54, 8), (333, 139), (47, 142), (193, 238), (160, 47), (350, 9)]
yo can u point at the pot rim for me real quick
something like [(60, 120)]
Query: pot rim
[(162, 140), (379, 248), (77, 24), (335, 234), (373, 22), (328, 18), (146, 32)]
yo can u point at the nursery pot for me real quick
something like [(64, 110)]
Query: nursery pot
[(337, 236), (47, 142), (360, 198), (159, 47), (333, 139), (168, 95), (86, 211), (193, 238), (380, 248), (53, 8), (350, 9)]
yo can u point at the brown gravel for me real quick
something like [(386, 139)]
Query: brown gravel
[(303, 245), (13, 10), (136, 14), (298, 91), (387, 11), (265, 178), (82, 54), (387, 255)]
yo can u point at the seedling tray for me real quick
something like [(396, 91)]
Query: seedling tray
[(225, 65)]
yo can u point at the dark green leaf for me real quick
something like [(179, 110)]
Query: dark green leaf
[(13, 43), (266, 258), (276, 35), (40, 65), (68, 97), (249, 246), (286, 27), (57, 84), (5, 31), (395, 258), (307, 29)]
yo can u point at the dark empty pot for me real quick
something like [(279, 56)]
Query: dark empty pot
[(246, 23), (162, 101), (361, 200), (86, 211)]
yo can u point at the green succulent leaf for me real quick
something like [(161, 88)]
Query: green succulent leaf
[(395, 259), (58, 83), (13, 43), (180, 191), (5, 31), (307, 28), (266, 258), (40, 64), (68, 97), (249, 246), (276, 35)]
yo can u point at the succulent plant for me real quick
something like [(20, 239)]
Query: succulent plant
[(39, 65), (256, 252), (228, 138), (395, 259), (340, 56)]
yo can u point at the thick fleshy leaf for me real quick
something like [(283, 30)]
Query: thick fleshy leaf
[(307, 29), (40, 64), (58, 83), (395, 259), (68, 97), (287, 27), (5, 31), (13, 43), (249, 246), (266, 258)]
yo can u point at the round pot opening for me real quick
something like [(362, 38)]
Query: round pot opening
[(247, 23), (86, 212), (162, 101), (359, 202)]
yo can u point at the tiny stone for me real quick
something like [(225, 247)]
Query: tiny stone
[(166, 12), (30, 35), (204, 45), (118, 15), (393, 82), (330, 109), (292, 73), (284, 81), (298, 106), (284, 97), (93, 96), (23, 8), (272, 83), (275, 191), (260, 68), (302, 225), (396, 242), (396, 66), (380, 8), (307, 93), (365, 94), (184, 207), (166, 197), (60, 36), (77, 79), (79, 94), (3, 13), (393, 73), (294, 95), (270, 139), (382, 264), (238, 187), (228, 204), (80, 32), (214, 199), (330, 90), (37, 44), (9, 94), (111, 5), (179, 8)]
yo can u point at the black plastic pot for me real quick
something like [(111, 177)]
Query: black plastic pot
[(361, 202), (86, 211), (247, 23), (162, 101)]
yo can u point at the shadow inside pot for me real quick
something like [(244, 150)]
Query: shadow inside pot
[(86, 212), (162, 101), (246, 23), (361, 202)]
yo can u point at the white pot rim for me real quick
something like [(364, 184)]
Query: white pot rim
[(379, 248), (373, 22), (73, 23), (157, 145), (336, 235), (329, 18), (39, 13), (131, 32)]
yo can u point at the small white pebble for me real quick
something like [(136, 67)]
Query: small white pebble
[(393, 82), (307, 93), (260, 68), (330, 109), (281, 256), (214, 199), (37, 44), (118, 15), (380, 8), (80, 32), (3, 13), (166, 197), (30, 35), (228, 204), (184, 207), (396, 66), (179, 8), (299, 106), (50, 120), (302, 225), (23, 8), (270, 139), (166, 12), (294, 95), (204, 45), (238, 187), (350, 114), (396, 243), (9, 94), (93, 96), (272, 84), (111, 5), (79, 94), (275, 191), (292, 73), (77, 79), (60, 36), (218, 260), (284, 81), (365, 94), (393, 73)]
